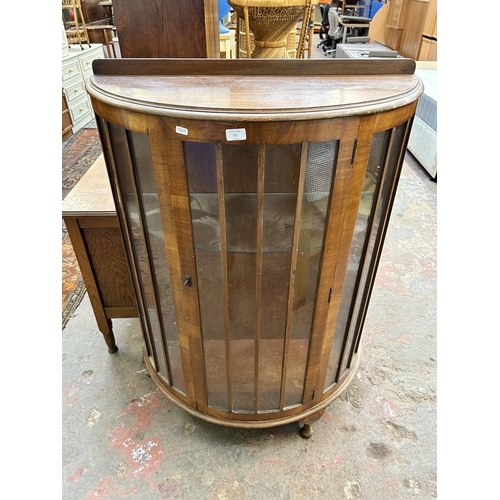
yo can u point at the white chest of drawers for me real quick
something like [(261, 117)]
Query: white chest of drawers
[(76, 68)]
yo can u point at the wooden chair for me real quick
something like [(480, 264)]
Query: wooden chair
[(307, 40), (76, 29), (271, 22), (102, 33)]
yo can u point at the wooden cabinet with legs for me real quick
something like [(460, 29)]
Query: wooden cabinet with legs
[(92, 224), (253, 220)]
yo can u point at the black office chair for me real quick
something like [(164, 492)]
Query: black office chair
[(323, 29), (334, 33)]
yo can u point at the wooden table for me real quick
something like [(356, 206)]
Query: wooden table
[(90, 217)]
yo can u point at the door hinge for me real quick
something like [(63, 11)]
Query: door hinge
[(354, 150)]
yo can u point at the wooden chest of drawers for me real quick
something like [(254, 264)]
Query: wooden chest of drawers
[(76, 68)]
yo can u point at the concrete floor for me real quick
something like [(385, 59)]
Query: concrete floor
[(121, 438)]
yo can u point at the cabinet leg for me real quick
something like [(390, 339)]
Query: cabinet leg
[(306, 429), (109, 337)]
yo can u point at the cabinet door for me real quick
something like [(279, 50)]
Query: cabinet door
[(255, 216)]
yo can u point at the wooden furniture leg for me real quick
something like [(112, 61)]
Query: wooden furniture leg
[(108, 335), (306, 429), (104, 324)]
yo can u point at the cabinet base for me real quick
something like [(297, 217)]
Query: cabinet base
[(306, 417)]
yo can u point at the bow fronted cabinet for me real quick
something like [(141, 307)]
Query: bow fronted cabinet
[(253, 198)]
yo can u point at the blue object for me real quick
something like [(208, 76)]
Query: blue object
[(375, 8), (223, 8)]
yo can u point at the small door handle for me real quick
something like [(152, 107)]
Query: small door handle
[(187, 280)]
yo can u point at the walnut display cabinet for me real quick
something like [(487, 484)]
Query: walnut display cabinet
[(253, 198)]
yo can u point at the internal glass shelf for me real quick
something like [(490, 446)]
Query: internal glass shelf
[(241, 216)]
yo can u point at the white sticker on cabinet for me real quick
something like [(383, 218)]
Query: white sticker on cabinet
[(236, 134), (181, 130)]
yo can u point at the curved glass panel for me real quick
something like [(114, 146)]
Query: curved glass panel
[(378, 182), (133, 215), (202, 182), (378, 151), (379, 224), (320, 167), (141, 154), (281, 179), (142, 214)]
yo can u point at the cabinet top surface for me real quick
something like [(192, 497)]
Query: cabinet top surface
[(272, 92), (92, 194)]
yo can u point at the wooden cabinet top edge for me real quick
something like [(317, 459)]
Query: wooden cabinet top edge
[(250, 67), (266, 94)]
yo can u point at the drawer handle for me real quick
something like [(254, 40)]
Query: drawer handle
[(87, 63), (70, 71), (81, 109), (75, 91)]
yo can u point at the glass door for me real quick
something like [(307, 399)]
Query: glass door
[(259, 218)]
